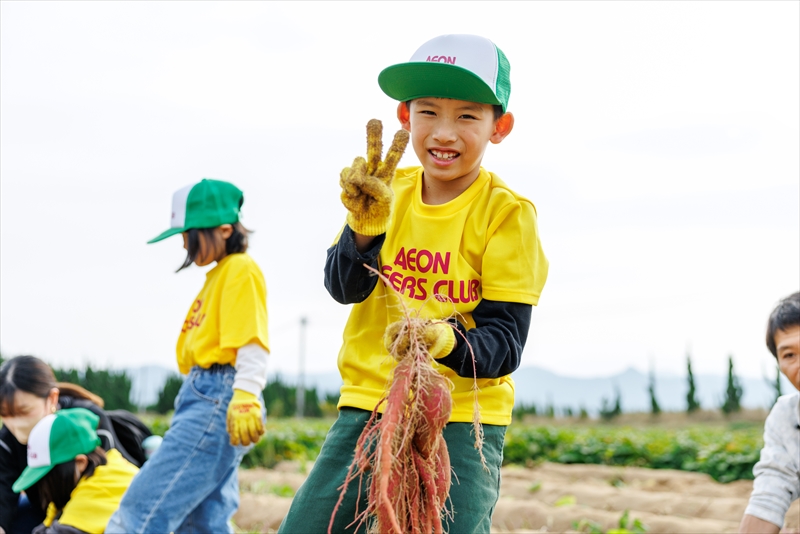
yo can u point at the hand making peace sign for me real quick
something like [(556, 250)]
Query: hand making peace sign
[(367, 184)]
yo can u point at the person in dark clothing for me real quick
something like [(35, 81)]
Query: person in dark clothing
[(29, 392)]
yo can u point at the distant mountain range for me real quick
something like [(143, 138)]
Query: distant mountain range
[(541, 387)]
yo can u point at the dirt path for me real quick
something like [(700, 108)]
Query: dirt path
[(551, 497)]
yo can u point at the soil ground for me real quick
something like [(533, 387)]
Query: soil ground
[(551, 497)]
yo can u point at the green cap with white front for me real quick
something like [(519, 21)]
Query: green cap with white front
[(462, 67), (58, 438), (207, 204)]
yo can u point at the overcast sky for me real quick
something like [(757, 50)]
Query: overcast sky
[(659, 142)]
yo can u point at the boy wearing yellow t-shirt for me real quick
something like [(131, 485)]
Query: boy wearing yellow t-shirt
[(448, 234)]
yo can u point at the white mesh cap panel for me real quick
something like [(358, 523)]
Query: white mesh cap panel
[(39, 442), (471, 52), (179, 199)]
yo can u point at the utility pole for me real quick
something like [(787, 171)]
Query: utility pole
[(301, 389)]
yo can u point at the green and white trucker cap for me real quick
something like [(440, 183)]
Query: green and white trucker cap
[(207, 204), (56, 439), (463, 67)]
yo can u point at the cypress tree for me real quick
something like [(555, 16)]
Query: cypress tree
[(777, 386), (655, 409), (734, 391), (606, 411), (692, 404)]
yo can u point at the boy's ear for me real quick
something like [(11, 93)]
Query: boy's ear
[(404, 116), (502, 127), (81, 463), (226, 230)]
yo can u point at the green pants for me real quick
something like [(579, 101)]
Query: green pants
[(474, 492)]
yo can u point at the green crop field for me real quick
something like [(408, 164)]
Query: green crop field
[(727, 452)]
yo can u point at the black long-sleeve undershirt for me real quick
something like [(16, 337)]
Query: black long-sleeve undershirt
[(501, 328)]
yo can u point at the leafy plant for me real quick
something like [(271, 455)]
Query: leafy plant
[(626, 526), (282, 490), (566, 500), (591, 527)]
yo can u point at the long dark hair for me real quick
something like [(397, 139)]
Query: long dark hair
[(32, 375), (24, 373), (57, 485), (237, 242)]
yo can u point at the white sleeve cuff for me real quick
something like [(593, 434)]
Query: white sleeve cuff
[(767, 512), (251, 369)]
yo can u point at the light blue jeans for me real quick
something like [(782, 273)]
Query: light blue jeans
[(191, 483)]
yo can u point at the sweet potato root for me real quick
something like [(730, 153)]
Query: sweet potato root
[(402, 451)]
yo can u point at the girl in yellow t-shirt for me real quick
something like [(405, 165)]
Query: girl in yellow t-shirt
[(222, 346), (79, 482)]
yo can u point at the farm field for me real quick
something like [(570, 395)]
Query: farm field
[(560, 473), (725, 450), (554, 498)]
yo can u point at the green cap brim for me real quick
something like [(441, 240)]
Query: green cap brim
[(168, 233), (30, 476), (407, 81)]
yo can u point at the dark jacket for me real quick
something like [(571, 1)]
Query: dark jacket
[(14, 459), (501, 327)]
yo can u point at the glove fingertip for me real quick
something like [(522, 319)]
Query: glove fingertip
[(359, 165)]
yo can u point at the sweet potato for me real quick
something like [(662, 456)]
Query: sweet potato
[(408, 468)]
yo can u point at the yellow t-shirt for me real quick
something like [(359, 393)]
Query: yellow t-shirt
[(229, 312), (95, 499), (482, 244)]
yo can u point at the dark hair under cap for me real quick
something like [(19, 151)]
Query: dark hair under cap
[(235, 244), (785, 315)]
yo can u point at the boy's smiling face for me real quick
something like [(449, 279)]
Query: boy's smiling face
[(787, 343), (449, 138)]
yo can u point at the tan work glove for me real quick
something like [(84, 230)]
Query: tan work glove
[(367, 184), (244, 418), (437, 338)]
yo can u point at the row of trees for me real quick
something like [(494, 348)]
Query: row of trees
[(609, 409), (280, 397), (731, 402), (733, 392), (114, 387)]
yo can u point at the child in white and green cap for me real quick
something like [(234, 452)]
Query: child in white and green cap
[(191, 481), (447, 233), (81, 485)]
